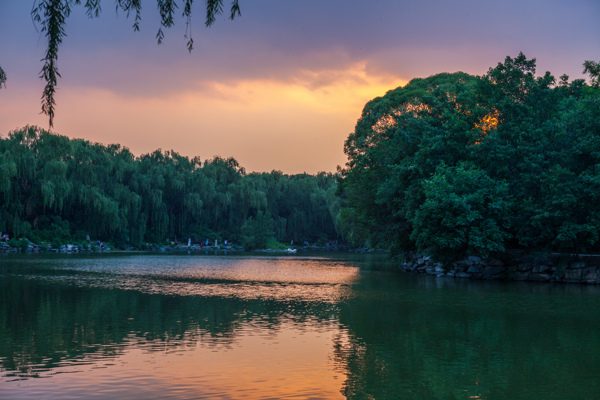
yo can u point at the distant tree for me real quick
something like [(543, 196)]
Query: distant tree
[(593, 69), (53, 188), (51, 15), (256, 232)]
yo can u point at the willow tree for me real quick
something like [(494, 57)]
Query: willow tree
[(51, 16), (55, 189)]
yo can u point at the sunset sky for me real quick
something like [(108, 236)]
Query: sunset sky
[(282, 86)]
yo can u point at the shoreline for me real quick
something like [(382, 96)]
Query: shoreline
[(33, 248), (545, 268), (561, 268)]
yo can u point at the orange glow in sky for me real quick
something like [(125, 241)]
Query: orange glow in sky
[(265, 125), (279, 88)]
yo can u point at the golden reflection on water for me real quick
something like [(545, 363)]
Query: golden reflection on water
[(291, 362), (272, 278), (154, 327), (286, 355)]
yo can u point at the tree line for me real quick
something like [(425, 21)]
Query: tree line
[(456, 164), (54, 189), (51, 16)]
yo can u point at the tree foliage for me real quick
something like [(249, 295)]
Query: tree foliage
[(257, 231), (51, 16), (52, 187), (465, 210), (457, 164), (593, 69)]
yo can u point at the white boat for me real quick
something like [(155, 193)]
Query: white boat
[(292, 250)]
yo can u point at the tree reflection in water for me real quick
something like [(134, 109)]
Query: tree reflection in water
[(387, 335)]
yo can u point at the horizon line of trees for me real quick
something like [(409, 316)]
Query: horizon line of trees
[(53, 188)]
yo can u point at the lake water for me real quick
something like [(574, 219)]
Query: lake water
[(289, 327)]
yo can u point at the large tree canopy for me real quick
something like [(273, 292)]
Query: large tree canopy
[(51, 15), (456, 164)]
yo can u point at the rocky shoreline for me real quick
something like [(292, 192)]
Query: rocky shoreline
[(544, 268)]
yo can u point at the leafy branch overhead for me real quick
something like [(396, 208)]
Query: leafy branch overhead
[(51, 17), (2, 78)]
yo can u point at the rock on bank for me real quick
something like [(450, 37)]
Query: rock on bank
[(551, 268)]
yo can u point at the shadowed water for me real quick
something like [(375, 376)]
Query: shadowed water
[(241, 327)]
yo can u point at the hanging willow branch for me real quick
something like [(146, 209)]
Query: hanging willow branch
[(51, 17), (2, 78)]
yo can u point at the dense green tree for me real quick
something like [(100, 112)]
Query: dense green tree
[(52, 15), (456, 164), (55, 189), (464, 212), (400, 140), (257, 231)]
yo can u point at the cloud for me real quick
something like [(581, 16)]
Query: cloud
[(276, 40), (280, 87), (295, 126)]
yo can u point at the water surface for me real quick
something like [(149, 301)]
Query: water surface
[(291, 327)]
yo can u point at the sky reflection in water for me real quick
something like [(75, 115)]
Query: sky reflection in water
[(213, 327), (274, 278), (252, 327)]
